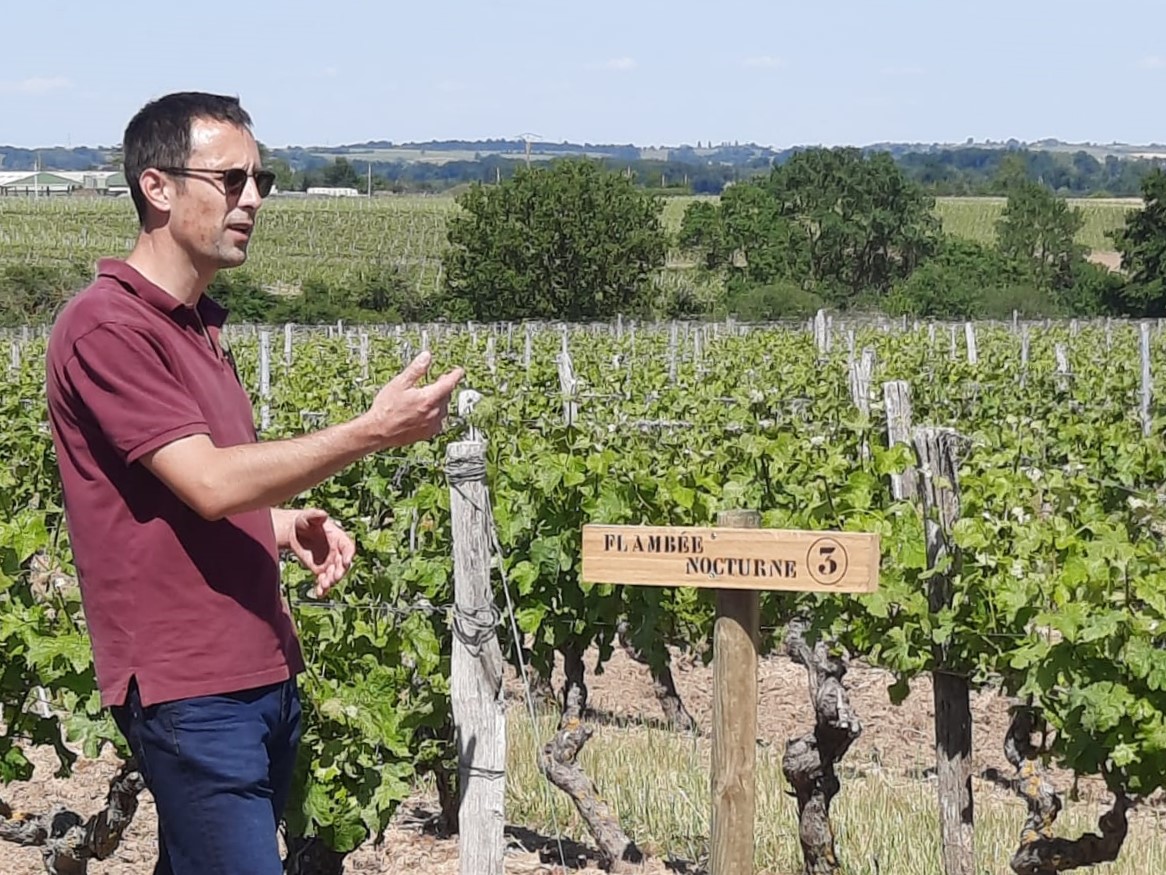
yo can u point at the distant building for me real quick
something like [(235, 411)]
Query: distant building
[(58, 183), (328, 191)]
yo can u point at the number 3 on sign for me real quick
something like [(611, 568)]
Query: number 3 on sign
[(828, 561)]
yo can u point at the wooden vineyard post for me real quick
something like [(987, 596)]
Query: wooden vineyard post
[(491, 363), (477, 696), (938, 449), (287, 344), (861, 373), (567, 384), (1147, 383), (897, 399), (264, 379), (1062, 367), (821, 337), (1024, 345), (734, 756)]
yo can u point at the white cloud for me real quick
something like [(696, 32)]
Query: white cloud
[(330, 72), (36, 85), (763, 62), (1153, 62), (620, 64)]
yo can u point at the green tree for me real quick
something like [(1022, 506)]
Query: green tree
[(571, 241), (702, 230), (1142, 244), (1037, 235), (863, 224), (954, 284), (341, 174), (837, 222)]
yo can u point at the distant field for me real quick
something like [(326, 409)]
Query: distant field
[(975, 218), (328, 238), (336, 239), (437, 156), (411, 155)]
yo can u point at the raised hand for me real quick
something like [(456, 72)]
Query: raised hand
[(403, 412)]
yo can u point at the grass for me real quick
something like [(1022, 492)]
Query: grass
[(975, 218), (657, 782)]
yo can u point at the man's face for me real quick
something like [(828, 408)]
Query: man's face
[(213, 225)]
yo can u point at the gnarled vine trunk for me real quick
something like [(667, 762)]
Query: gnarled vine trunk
[(808, 763), (310, 856), (1040, 852), (558, 762), (574, 686), (68, 842)]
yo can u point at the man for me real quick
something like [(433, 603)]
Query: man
[(173, 504)]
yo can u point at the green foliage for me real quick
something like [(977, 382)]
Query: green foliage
[(988, 171), (567, 242), (1142, 244), (774, 302), (702, 230), (373, 295), (1060, 596), (32, 292), (953, 284), (243, 296), (1037, 236), (840, 223), (42, 639)]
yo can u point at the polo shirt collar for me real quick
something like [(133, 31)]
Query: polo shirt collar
[(213, 313)]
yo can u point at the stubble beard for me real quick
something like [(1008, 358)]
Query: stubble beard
[(228, 254)]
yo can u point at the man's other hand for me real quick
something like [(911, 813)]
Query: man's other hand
[(322, 547)]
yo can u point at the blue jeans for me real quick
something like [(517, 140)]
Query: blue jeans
[(219, 768)]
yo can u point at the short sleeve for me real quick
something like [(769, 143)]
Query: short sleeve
[(124, 380)]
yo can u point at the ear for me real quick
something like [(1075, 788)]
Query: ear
[(157, 188)]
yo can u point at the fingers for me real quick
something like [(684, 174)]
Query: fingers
[(313, 516), (347, 549), (446, 383), (415, 370), (341, 550)]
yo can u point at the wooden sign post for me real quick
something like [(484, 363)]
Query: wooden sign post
[(738, 559)]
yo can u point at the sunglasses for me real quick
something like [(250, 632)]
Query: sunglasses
[(234, 179)]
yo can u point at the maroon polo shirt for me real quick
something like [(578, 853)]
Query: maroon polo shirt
[(187, 606)]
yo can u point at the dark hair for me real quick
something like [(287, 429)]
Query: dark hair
[(159, 135)]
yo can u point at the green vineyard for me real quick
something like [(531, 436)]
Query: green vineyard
[(338, 240), (1056, 563)]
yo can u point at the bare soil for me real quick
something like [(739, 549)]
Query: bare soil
[(896, 739), (1109, 259)]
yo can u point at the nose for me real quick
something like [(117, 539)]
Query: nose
[(250, 196)]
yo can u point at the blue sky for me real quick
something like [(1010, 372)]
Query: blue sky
[(650, 73)]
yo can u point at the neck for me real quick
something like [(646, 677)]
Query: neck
[(164, 264)]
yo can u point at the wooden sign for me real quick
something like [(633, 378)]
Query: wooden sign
[(731, 558)]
